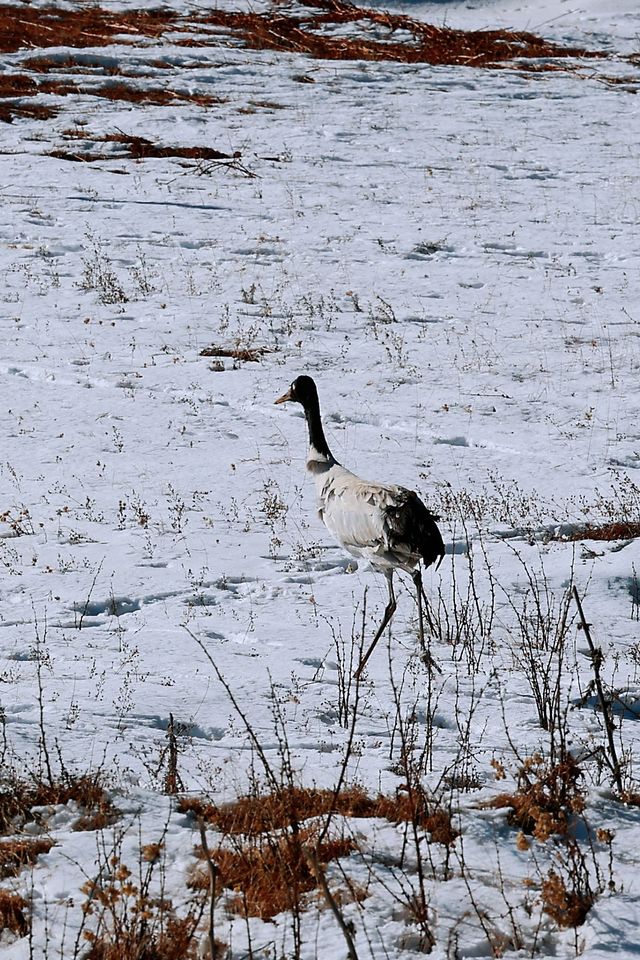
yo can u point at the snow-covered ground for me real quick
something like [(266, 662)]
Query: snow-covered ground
[(454, 255)]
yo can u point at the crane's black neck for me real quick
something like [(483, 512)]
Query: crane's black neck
[(318, 446)]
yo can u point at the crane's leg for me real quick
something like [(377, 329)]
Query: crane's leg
[(388, 613), (417, 579)]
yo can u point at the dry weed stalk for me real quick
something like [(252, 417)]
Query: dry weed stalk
[(123, 919), (605, 703), (464, 614), (539, 647)]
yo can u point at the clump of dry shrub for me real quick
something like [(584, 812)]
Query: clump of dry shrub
[(567, 907), (546, 805), (132, 924), (271, 873), (615, 530), (547, 799)]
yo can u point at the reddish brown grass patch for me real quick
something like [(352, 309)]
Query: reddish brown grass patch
[(277, 811), (428, 44), (309, 34), (269, 846), (174, 942), (134, 94), (616, 530), (17, 854), (22, 26), (18, 799), (17, 86), (32, 111), (137, 148), (271, 874), (12, 913)]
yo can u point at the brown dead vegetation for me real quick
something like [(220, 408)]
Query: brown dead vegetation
[(175, 942), (17, 854), (23, 27), (566, 906), (377, 35), (129, 923), (427, 43), (12, 913), (270, 874), (273, 846), (10, 111), (19, 798), (17, 86), (365, 34), (616, 530), (253, 815), (136, 148), (547, 798)]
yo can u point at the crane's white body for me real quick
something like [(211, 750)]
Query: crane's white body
[(355, 513)]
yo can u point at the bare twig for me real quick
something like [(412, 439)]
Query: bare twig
[(172, 783), (345, 927), (596, 661), (213, 876)]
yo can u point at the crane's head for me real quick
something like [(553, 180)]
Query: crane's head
[(302, 390)]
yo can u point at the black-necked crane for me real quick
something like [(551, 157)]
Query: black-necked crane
[(383, 523)]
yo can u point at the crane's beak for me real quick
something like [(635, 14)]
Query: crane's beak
[(285, 396)]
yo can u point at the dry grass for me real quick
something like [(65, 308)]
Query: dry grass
[(376, 35), (427, 44), (174, 942), (631, 798), (18, 86), (12, 913), (136, 148), (13, 88), (547, 798), (130, 923), (270, 874), (265, 856), (364, 34), (17, 854), (255, 815), (616, 530), (18, 798), (24, 27)]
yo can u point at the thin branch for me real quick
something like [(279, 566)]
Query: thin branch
[(596, 661)]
